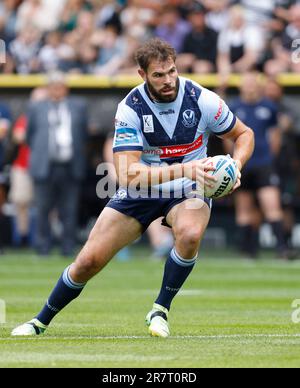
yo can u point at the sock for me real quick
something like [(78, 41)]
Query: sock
[(249, 240), (255, 242), (64, 292), (288, 234), (278, 231), (177, 271)]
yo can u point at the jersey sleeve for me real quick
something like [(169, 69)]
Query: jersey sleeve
[(218, 117), (128, 136)]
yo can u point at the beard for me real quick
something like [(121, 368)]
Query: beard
[(159, 97)]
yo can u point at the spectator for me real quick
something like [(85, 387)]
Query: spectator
[(111, 52), (140, 17), (56, 137), (69, 54), (129, 65), (80, 55), (69, 17), (172, 28), (285, 57), (260, 180), (285, 152), (52, 52), (200, 46), (258, 12), (239, 46), (23, 52), (5, 122), (218, 14), (108, 13), (41, 14), (8, 19), (21, 188)]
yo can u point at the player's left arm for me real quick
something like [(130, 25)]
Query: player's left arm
[(222, 122), (244, 143), (243, 139)]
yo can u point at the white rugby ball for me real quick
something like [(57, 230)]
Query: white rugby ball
[(226, 173)]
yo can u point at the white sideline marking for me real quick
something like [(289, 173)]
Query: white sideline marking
[(204, 337)]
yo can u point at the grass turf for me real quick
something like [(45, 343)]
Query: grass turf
[(231, 313)]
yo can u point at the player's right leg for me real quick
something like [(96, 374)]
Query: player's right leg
[(112, 232)]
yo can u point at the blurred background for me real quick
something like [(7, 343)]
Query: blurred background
[(93, 43)]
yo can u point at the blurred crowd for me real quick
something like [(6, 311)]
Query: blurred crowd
[(101, 36)]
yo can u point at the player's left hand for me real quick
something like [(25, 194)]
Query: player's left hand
[(239, 178)]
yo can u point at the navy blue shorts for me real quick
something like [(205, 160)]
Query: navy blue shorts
[(146, 210)]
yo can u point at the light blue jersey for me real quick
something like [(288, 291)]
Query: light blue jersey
[(175, 132)]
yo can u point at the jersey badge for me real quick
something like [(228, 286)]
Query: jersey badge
[(189, 119), (148, 124)]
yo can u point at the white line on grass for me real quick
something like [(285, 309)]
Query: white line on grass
[(204, 337)]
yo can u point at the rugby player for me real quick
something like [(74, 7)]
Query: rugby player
[(162, 130)]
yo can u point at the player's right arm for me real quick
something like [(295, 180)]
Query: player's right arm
[(128, 148), (131, 171)]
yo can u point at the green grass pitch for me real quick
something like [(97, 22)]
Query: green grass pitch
[(231, 313)]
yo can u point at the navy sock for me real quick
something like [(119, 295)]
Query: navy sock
[(177, 271), (249, 240), (278, 231), (64, 292)]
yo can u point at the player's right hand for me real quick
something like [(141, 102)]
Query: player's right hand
[(198, 170)]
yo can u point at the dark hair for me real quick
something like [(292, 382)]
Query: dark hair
[(154, 49)]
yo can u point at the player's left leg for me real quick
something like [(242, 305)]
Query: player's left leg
[(189, 221)]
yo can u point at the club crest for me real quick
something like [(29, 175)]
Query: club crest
[(189, 119)]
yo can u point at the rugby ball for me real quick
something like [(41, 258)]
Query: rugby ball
[(226, 173)]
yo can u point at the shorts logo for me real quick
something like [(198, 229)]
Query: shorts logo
[(189, 119), (120, 195), (148, 124)]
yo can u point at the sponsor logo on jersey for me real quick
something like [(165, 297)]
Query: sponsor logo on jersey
[(177, 151), (167, 112), (120, 123), (125, 136), (153, 152), (220, 111), (189, 119), (148, 124), (224, 121)]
